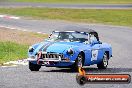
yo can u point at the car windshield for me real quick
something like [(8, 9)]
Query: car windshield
[(68, 36)]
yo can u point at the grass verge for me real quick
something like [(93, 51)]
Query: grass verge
[(80, 1), (113, 16), (14, 43), (12, 51)]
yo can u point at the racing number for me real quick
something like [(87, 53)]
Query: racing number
[(94, 55)]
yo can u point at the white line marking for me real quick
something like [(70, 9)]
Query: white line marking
[(15, 17), (16, 63), (2, 15), (9, 66), (9, 17), (13, 28)]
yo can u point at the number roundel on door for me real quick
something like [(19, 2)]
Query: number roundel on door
[(94, 55)]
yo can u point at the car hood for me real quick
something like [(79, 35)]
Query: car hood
[(56, 47)]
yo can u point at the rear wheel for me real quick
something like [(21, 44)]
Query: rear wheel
[(78, 63), (34, 67), (104, 62)]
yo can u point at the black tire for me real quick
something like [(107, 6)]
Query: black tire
[(34, 67), (78, 62), (104, 62)]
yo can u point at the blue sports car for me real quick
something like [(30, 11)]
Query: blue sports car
[(71, 48)]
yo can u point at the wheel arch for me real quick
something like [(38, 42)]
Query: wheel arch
[(83, 54), (108, 54)]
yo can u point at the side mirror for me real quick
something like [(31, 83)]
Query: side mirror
[(100, 42)]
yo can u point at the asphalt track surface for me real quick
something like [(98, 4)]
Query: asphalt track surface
[(21, 77), (70, 6)]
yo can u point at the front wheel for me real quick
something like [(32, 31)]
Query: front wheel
[(78, 63), (104, 62), (34, 67)]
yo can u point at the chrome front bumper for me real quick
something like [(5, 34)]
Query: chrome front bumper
[(49, 59), (44, 58)]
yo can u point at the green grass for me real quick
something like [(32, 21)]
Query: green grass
[(80, 1), (14, 43), (39, 35), (114, 17), (12, 51)]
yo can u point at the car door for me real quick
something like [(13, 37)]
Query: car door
[(96, 50)]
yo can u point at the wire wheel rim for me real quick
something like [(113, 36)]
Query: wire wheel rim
[(105, 60), (80, 61)]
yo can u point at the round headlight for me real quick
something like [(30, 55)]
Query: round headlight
[(30, 49), (70, 51)]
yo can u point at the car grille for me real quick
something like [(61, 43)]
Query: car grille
[(52, 55)]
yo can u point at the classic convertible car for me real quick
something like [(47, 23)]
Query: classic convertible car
[(71, 48)]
